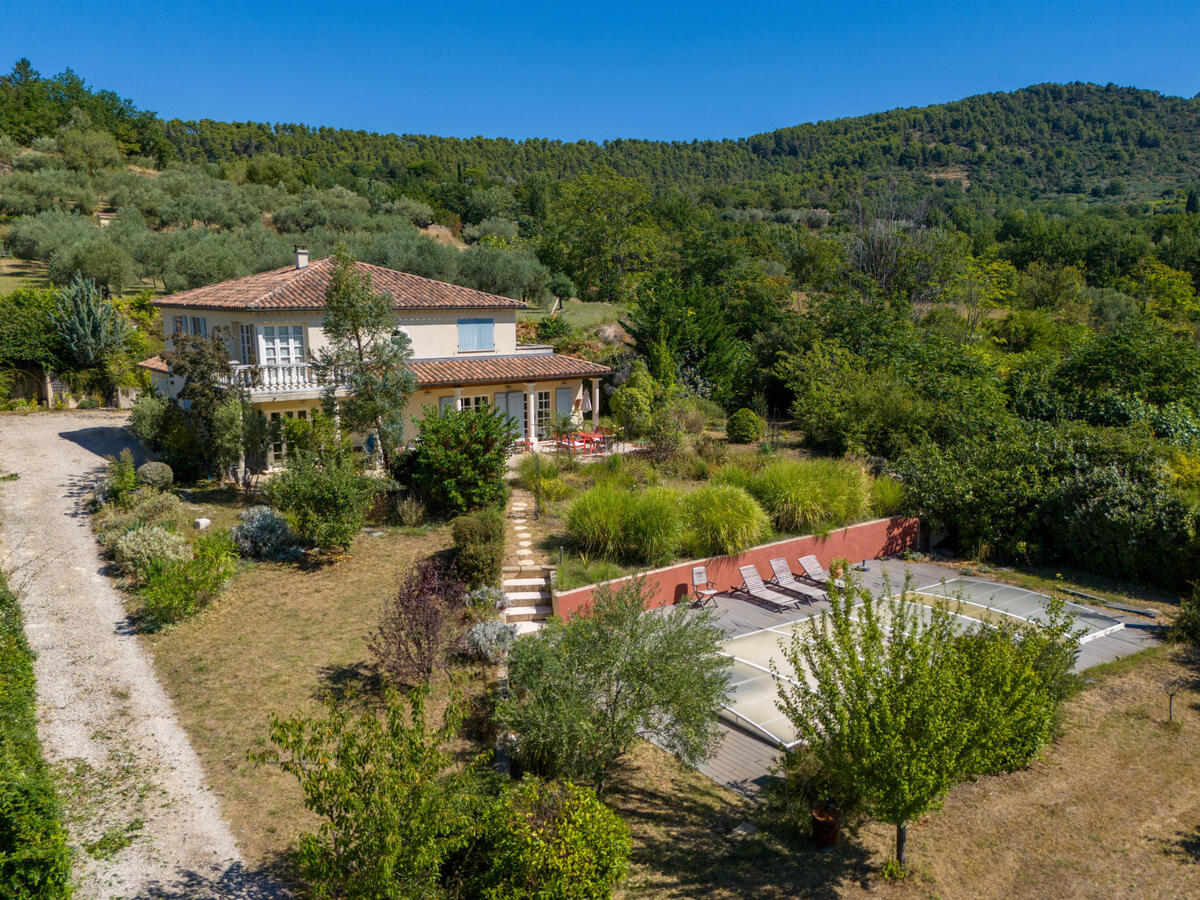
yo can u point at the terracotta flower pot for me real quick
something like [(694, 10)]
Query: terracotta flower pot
[(826, 823)]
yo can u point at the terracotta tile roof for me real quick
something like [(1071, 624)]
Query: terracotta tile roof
[(292, 288), (500, 369), (482, 370), (154, 364)]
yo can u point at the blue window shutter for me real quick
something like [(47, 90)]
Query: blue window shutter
[(445, 403), (475, 334)]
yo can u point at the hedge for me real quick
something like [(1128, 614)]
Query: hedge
[(34, 859)]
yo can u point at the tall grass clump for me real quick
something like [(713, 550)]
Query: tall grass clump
[(655, 529), (803, 496), (735, 474), (887, 496), (723, 518), (617, 523), (598, 520)]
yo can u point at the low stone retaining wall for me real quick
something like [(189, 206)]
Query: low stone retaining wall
[(866, 540)]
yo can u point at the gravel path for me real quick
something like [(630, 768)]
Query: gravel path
[(142, 820)]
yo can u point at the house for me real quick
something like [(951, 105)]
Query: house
[(464, 346)]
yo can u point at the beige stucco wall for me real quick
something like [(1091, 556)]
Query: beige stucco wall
[(434, 334)]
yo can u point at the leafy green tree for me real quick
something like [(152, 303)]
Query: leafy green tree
[(90, 328), (393, 806), (550, 839), (365, 355), (460, 459), (28, 336), (900, 707), (601, 223), (583, 692), (322, 489)]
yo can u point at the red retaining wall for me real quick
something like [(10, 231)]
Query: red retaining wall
[(867, 540)]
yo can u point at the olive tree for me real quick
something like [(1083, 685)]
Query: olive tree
[(583, 692)]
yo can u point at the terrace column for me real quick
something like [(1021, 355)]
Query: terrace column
[(595, 403), (458, 398), (531, 412)]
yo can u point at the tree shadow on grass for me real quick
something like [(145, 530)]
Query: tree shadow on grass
[(357, 681), (686, 846)]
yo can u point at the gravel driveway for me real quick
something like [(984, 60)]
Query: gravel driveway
[(143, 822)]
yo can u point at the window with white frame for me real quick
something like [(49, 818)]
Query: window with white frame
[(542, 421), (283, 345), (479, 402), (476, 334)]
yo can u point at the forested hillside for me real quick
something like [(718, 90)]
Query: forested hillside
[(992, 299)]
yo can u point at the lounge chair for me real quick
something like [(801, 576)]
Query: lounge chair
[(702, 589), (817, 573), (753, 587), (786, 581)]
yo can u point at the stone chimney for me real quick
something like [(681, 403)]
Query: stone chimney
[(301, 257)]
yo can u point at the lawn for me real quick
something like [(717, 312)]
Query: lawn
[(279, 639), (1112, 809), (582, 315), (1114, 805), (22, 273)]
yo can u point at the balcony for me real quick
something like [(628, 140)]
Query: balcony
[(295, 379)]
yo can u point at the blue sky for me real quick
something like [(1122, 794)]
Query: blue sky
[(573, 70)]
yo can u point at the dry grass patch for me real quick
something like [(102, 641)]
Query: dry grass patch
[(280, 638), (1112, 809)]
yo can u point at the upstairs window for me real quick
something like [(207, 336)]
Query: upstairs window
[(283, 345), (476, 334), (190, 325)]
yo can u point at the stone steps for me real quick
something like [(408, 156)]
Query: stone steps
[(524, 628), (519, 597), (527, 613)]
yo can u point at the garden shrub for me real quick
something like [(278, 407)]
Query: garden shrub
[(262, 534), (415, 626), (711, 449), (156, 475), (324, 496), (803, 496), (120, 479), (479, 537), (484, 601), (176, 589), (146, 419), (533, 467), (407, 512), (550, 839), (35, 862), (154, 507), (140, 549), (744, 427), (489, 642), (460, 460), (599, 519), (722, 519), (89, 402), (887, 496), (1185, 627), (655, 526)]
